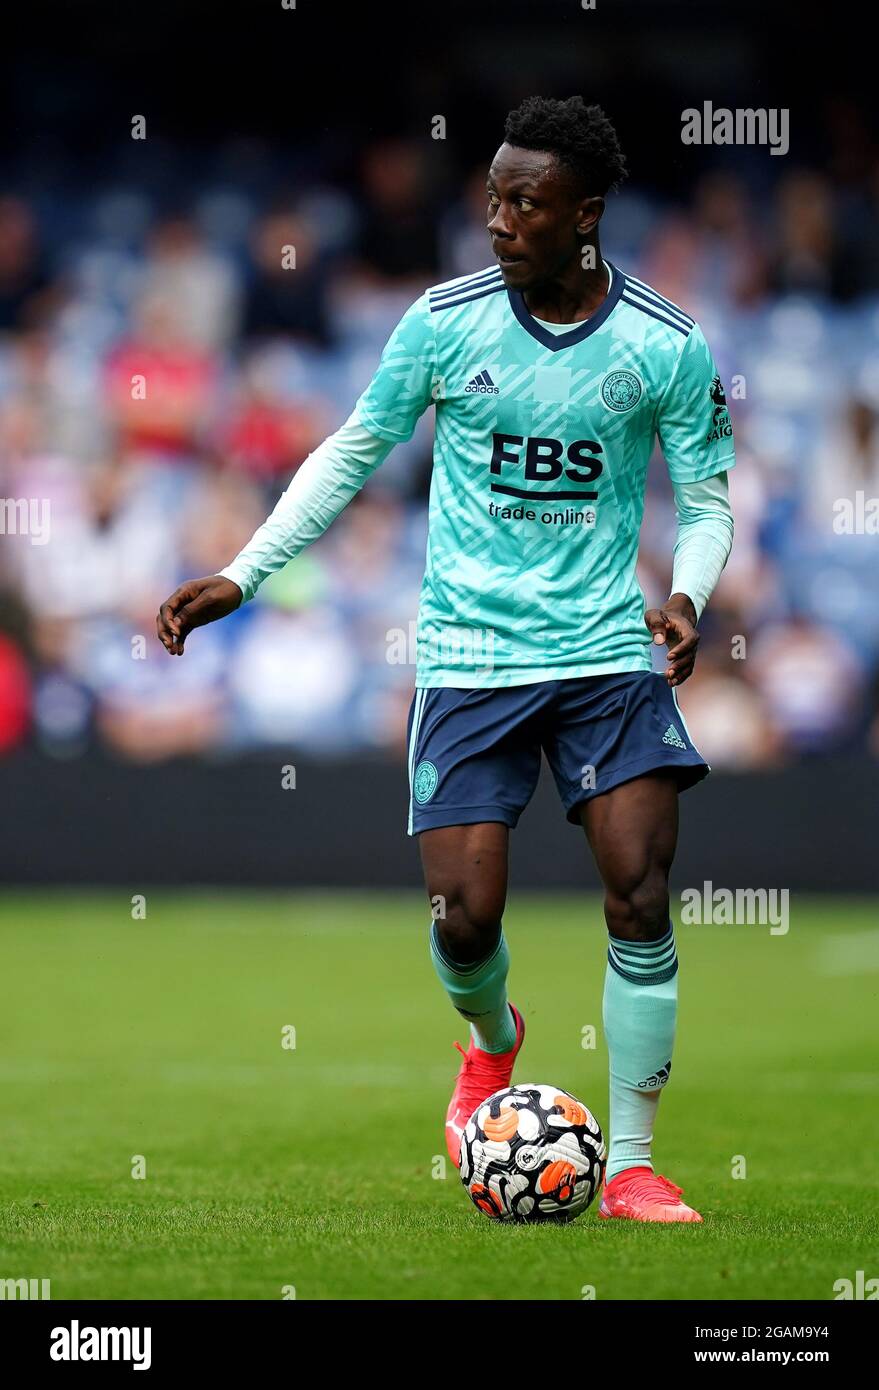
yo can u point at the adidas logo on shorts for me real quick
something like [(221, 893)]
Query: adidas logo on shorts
[(673, 738)]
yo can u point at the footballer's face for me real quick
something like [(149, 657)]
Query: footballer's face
[(538, 218)]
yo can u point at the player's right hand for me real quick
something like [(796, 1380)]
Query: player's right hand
[(195, 603)]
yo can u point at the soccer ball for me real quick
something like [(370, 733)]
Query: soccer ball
[(532, 1153)]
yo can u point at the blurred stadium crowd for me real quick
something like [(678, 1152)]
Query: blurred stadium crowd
[(245, 363)]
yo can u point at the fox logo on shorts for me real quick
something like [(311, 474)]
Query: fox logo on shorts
[(424, 782)]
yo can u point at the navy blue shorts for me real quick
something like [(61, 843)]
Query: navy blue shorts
[(474, 755)]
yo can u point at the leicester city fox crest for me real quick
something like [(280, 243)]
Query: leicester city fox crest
[(621, 390), (424, 782)]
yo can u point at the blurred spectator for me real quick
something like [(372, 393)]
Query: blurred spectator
[(846, 462), (728, 717), (286, 293), (160, 385), (266, 434), (293, 678), (202, 286), (14, 694), (805, 254), (147, 709), (23, 275), (812, 682), (108, 542), (711, 253), (398, 238)]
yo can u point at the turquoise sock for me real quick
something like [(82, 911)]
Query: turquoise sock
[(479, 992), (640, 1008)]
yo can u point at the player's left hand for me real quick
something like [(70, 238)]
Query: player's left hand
[(675, 625)]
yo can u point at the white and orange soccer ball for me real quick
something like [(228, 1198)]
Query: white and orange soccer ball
[(532, 1153)]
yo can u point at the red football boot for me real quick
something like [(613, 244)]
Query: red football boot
[(639, 1194), (481, 1074)]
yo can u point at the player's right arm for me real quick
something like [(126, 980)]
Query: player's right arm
[(386, 413)]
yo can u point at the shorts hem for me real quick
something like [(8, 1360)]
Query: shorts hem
[(439, 817), (690, 770)]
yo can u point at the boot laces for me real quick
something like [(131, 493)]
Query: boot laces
[(646, 1183)]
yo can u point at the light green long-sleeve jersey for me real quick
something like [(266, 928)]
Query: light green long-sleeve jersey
[(543, 436)]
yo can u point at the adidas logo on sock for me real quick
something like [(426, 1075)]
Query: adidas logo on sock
[(672, 737), (659, 1078), (482, 385)]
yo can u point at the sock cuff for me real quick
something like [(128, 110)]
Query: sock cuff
[(457, 967), (644, 962)]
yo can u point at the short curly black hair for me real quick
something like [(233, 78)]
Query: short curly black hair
[(581, 137)]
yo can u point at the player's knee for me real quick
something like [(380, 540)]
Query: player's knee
[(638, 911), (470, 926)]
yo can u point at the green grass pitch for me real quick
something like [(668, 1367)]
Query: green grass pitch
[(315, 1166)]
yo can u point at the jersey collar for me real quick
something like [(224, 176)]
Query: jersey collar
[(555, 341)]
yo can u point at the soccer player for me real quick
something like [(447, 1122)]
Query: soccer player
[(552, 372)]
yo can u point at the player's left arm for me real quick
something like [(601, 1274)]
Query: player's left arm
[(696, 437), (704, 540)]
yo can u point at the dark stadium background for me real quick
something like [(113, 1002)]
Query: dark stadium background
[(124, 770)]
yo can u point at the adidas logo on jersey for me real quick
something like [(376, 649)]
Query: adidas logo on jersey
[(673, 738), (482, 385)]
